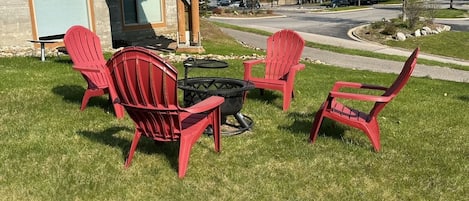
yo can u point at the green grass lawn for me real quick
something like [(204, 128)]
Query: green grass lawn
[(53, 151), (451, 13), (450, 44)]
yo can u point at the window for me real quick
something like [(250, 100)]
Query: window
[(141, 12), (54, 17)]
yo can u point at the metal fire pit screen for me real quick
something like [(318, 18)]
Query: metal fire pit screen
[(200, 88), (233, 90)]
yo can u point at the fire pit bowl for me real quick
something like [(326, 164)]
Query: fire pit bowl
[(199, 88)]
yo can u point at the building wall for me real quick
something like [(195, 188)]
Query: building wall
[(102, 23), (16, 26), (15, 23)]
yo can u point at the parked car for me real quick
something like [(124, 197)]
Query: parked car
[(363, 2), (250, 4), (235, 4), (224, 2), (339, 3)]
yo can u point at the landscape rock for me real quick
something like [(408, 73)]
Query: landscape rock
[(447, 28), (427, 29), (400, 36)]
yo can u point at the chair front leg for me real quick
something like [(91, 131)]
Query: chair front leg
[(216, 128), (318, 118)]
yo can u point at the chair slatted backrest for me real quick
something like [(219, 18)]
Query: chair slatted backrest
[(399, 83), (284, 49), (147, 87), (84, 48)]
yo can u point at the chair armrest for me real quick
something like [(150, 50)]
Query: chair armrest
[(363, 97), (205, 105), (294, 70), (248, 67), (341, 84), (298, 67), (253, 62)]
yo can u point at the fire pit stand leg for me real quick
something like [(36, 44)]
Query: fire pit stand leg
[(245, 124), (242, 121)]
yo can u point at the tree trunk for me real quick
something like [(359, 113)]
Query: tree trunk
[(451, 4)]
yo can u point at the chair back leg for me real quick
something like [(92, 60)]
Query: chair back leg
[(137, 136)]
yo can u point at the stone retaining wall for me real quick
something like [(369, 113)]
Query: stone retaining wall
[(17, 51)]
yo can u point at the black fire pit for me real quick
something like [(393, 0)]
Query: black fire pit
[(233, 90)]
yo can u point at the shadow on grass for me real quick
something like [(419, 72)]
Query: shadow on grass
[(268, 97), (303, 122), (108, 137), (464, 98), (74, 94), (64, 60)]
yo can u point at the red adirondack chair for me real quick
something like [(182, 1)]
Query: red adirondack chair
[(146, 86), (84, 48), (367, 122), (284, 49)]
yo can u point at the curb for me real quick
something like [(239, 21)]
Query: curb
[(453, 19), (351, 33), (341, 11), (248, 18)]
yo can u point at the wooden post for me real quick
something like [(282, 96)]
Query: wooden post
[(195, 21), (181, 22)]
